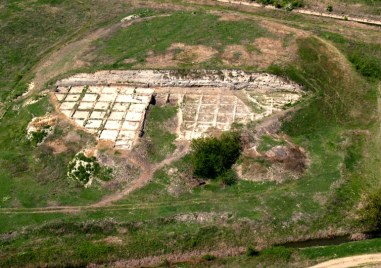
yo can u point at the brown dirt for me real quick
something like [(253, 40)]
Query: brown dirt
[(265, 51), (112, 240), (353, 261), (277, 28), (57, 146), (179, 53)]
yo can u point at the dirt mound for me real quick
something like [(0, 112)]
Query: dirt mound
[(280, 162)]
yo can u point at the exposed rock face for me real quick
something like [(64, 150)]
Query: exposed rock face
[(232, 79)]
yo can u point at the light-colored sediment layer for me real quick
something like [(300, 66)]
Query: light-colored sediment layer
[(232, 79), (113, 113)]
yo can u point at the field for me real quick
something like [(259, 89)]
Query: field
[(173, 217)]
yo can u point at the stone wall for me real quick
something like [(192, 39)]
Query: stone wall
[(232, 79)]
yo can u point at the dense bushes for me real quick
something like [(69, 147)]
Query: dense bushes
[(288, 4), (371, 213), (212, 157)]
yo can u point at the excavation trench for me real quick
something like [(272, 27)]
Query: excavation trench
[(113, 104)]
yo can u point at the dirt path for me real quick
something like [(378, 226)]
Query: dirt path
[(309, 12), (147, 172), (353, 261)]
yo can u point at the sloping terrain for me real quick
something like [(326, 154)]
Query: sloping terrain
[(306, 168)]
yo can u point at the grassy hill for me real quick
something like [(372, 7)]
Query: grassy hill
[(338, 125)]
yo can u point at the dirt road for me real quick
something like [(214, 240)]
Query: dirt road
[(353, 261), (309, 12)]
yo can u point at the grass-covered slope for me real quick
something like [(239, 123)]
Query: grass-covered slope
[(337, 124)]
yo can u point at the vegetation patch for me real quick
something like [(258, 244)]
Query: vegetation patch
[(287, 4), (39, 128), (84, 169), (158, 34), (160, 140)]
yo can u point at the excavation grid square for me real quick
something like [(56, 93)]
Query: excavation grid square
[(106, 97), (72, 97), (97, 115), (81, 114), (93, 124), (201, 113), (76, 89), (115, 113), (67, 105), (112, 124), (101, 105), (121, 107), (86, 105), (90, 97)]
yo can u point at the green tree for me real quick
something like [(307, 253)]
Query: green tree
[(211, 157)]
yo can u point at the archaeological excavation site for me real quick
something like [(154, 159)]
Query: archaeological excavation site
[(189, 133), (113, 104)]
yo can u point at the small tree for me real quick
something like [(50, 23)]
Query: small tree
[(329, 8), (211, 157)]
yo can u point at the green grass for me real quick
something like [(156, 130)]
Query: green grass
[(31, 29), (332, 126), (159, 33), (32, 175), (268, 142), (160, 139)]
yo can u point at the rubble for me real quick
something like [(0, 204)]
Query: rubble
[(232, 79)]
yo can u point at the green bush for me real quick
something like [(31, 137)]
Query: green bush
[(329, 8), (288, 4), (371, 213), (228, 178), (208, 257), (212, 157), (251, 252)]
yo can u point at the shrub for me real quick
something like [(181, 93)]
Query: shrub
[(228, 178), (208, 257), (371, 213), (251, 252), (211, 157), (83, 169), (329, 8)]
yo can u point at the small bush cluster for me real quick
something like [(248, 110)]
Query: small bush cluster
[(38, 137), (83, 169), (287, 4)]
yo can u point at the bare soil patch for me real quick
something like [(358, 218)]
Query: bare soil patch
[(57, 146), (263, 52), (179, 53)]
